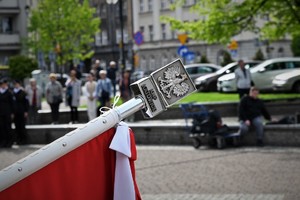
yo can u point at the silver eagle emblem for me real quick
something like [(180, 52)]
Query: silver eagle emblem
[(173, 82)]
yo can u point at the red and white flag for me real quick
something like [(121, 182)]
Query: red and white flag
[(101, 169)]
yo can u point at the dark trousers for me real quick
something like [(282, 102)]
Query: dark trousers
[(33, 115), (54, 112), (5, 131), (243, 91), (114, 82), (74, 114), (103, 102), (20, 130)]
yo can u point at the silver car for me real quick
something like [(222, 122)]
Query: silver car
[(200, 69), (288, 81), (262, 74)]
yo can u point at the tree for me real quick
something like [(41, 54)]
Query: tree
[(222, 19), (226, 58), (204, 59), (259, 55), (66, 27), (21, 67), (295, 46)]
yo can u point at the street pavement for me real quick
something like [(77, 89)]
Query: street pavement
[(183, 173)]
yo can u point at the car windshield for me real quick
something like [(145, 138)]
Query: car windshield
[(225, 68)]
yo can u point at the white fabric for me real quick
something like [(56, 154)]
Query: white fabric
[(124, 186)]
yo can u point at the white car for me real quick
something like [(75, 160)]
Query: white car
[(199, 69), (208, 82), (288, 81), (262, 74)]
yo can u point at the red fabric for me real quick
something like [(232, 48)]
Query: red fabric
[(84, 173)]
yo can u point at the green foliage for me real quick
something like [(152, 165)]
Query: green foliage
[(226, 58), (204, 59), (67, 27), (295, 46), (259, 55), (21, 67), (220, 20)]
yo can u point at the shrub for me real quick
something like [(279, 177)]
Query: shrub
[(21, 67)]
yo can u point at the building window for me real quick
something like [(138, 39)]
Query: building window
[(143, 64), (101, 38), (162, 5), (165, 60), (142, 29), (151, 33), (126, 38), (152, 63), (6, 25), (141, 5), (150, 5), (173, 34), (163, 32), (103, 10), (118, 36)]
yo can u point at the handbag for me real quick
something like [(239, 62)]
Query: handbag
[(57, 99)]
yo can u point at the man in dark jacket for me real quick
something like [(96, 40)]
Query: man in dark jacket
[(21, 107), (251, 110), (6, 115)]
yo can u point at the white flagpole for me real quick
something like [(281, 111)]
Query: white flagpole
[(153, 95), (67, 143)]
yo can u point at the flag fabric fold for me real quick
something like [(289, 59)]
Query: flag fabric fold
[(88, 172)]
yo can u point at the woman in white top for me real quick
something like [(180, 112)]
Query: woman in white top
[(73, 92), (90, 93)]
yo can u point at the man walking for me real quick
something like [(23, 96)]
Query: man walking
[(243, 79)]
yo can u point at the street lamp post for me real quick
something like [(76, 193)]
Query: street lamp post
[(122, 54)]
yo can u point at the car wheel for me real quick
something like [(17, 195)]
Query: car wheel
[(296, 87), (196, 143), (220, 142)]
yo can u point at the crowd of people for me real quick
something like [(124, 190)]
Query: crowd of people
[(19, 105)]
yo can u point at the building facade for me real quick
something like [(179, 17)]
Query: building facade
[(108, 45), (161, 44), (13, 28)]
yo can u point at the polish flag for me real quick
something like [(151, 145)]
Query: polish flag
[(101, 169)]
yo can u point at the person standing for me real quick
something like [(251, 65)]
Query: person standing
[(103, 90), (112, 75), (6, 115), (21, 107), (96, 68), (251, 110), (34, 95), (54, 94), (73, 92), (90, 92), (124, 86), (243, 79)]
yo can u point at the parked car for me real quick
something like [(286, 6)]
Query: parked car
[(208, 82), (262, 74), (137, 75), (83, 78), (62, 79), (288, 81), (200, 69)]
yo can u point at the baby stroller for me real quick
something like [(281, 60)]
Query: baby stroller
[(207, 126)]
